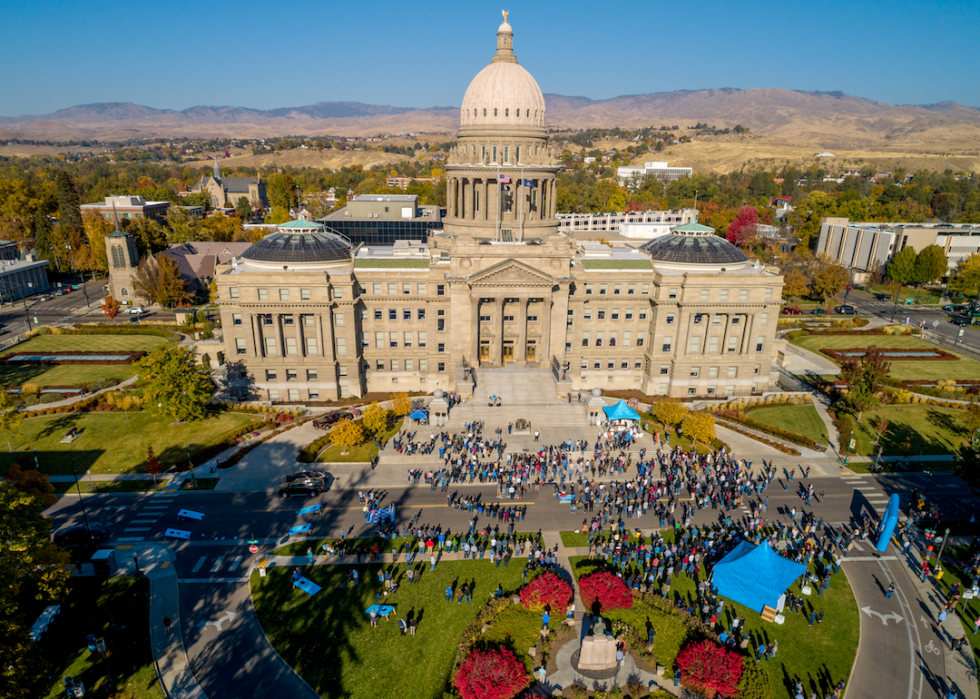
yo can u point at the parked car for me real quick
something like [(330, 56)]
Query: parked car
[(956, 307), (845, 310), (882, 297), (325, 421), (961, 320), (135, 311), (306, 473), (819, 311), (302, 486), (792, 311), (77, 535)]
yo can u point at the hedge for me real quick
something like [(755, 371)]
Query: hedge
[(744, 419), (547, 589), (775, 445), (308, 454), (164, 331)]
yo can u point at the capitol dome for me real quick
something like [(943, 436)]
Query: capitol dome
[(503, 93), (693, 245)]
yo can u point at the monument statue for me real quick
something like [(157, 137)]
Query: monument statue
[(505, 13), (598, 650)]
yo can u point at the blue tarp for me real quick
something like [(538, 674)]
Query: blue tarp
[(755, 576), (418, 414), (620, 411)]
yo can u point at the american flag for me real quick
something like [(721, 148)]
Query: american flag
[(504, 179)]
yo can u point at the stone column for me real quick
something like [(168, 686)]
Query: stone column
[(558, 328), (748, 346), (326, 333), (500, 324), (485, 185), (520, 345), (257, 342)]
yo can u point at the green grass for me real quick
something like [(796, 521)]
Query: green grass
[(362, 452), (822, 653), (907, 292), (800, 419), (74, 374), (109, 443), (964, 368), (912, 429), (111, 486), (116, 609), (651, 426), (327, 638)]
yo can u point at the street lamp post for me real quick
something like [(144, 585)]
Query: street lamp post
[(939, 558), (81, 501), (191, 464)]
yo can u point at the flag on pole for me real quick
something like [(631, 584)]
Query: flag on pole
[(528, 183), (504, 179)]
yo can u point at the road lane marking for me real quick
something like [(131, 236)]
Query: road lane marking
[(137, 529), (200, 562), (131, 538), (144, 521), (237, 561), (217, 564), (864, 559)]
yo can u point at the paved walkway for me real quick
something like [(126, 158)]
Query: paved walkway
[(80, 397)]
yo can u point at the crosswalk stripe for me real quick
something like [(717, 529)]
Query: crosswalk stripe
[(237, 561), (200, 562), (144, 521), (212, 580), (136, 529), (217, 564), (131, 538)]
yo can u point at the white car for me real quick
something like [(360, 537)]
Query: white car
[(135, 311)]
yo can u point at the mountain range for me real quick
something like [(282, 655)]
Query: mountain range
[(830, 118)]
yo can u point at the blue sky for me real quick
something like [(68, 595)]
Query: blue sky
[(182, 53)]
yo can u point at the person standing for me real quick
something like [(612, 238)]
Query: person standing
[(941, 618), (167, 623), (545, 618), (432, 558), (412, 623), (891, 589)]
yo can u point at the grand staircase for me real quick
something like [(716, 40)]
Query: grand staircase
[(530, 394)]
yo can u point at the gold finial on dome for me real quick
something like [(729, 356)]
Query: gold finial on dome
[(505, 41), (505, 13)]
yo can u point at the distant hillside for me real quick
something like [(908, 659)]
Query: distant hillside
[(830, 119)]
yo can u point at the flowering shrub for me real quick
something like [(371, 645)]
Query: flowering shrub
[(547, 589), (491, 674), (708, 666), (609, 590)]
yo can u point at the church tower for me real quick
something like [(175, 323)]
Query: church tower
[(123, 259)]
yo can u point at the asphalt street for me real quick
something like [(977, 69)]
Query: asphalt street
[(934, 319)]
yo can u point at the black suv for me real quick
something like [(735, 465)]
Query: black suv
[(846, 310), (883, 297), (77, 536), (324, 421), (307, 473), (302, 486)]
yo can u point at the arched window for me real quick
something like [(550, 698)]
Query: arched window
[(495, 111), (117, 258), (124, 292), (507, 112), (528, 113), (484, 111)]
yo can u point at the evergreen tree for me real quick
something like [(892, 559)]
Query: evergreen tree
[(69, 210)]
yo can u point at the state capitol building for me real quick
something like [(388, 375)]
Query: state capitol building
[(313, 317)]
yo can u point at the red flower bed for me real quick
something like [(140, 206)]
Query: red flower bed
[(708, 666), (609, 590), (491, 674), (547, 589)]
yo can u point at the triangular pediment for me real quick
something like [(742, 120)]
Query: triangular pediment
[(511, 273)]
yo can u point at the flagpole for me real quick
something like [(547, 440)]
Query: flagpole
[(521, 201), (496, 234)]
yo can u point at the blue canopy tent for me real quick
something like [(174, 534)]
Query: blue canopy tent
[(755, 576), (620, 411), (419, 414)]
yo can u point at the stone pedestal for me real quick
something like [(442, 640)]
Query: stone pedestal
[(438, 409), (598, 653), (595, 405)]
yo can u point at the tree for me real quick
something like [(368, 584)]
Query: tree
[(11, 418), (901, 268), (153, 466), (709, 666), (243, 208), (967, 279), (547, 589), (881, 426), (69, 210), (863, 379), (930, 265), (174, 383), (30, 480), (829, 281), (347, 434), (607, 589), (795, 284), (158, 280), (281, 190), (491, 674), (401, 404), (110, 308), (699, 427), (667, 410), (375, 418), (744, 225), (972, 419)]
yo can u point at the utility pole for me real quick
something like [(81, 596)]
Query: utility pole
[(81, 502), (847, 452), (939, 558), (191, 464)]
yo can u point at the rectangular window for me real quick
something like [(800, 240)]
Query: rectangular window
[(627, 338), (597, 365), (233, 292), (377, 314), (629, 314), (239, 346), (309, 320), (711, 390), (713, 344), (732, 344), (732, 372), (692, 390), (602, 289), (695, 346), (645, 289), (270, 375), (290, 346), (376, 288), (393, 339), (420, 289), (409, 365), (365, 342), (757, 366), (617, 289), (698, 318), (598, 339), (532, 319), (284, 294), (392, 314), (661, 389), (667, 343), (768, 293), (313, 394), (588, 289), (338, 318), (584, 364), (600, 314), (236, 318), (704, 294), (270, 347), (361, 290), (423, 365), (713, 372), (612, 338), (406, 314), (760, 342), (273, 394), (695, 372), (441, 347), (508, 319), (639, 338), (724, 294), (441, 366), (587, 314), (311, 346), (395, 365), (637, 364), (585, 339), (266, 318), (311, 375), (263, 294), (631, 290), (392, 289), (421, 314), (287, 320), (736, 320), (379, 340), (615, 314), (342, 370), (422, 338), (672, 294), (664, 369), (407, 339), (293, 395), (643, 314), (440, 289), (764, 319), (379, 365), (291, 375), (407, 288), (670, 319), (484, 319), (743, 294), (440, 325)]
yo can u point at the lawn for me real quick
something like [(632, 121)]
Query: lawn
[(110, 486), (362, 452), (912, 429), (576, 539), (109, 443), (964, 368), (116, 609), (820, 655), (327, 638), (74, 374), (800, 419)]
